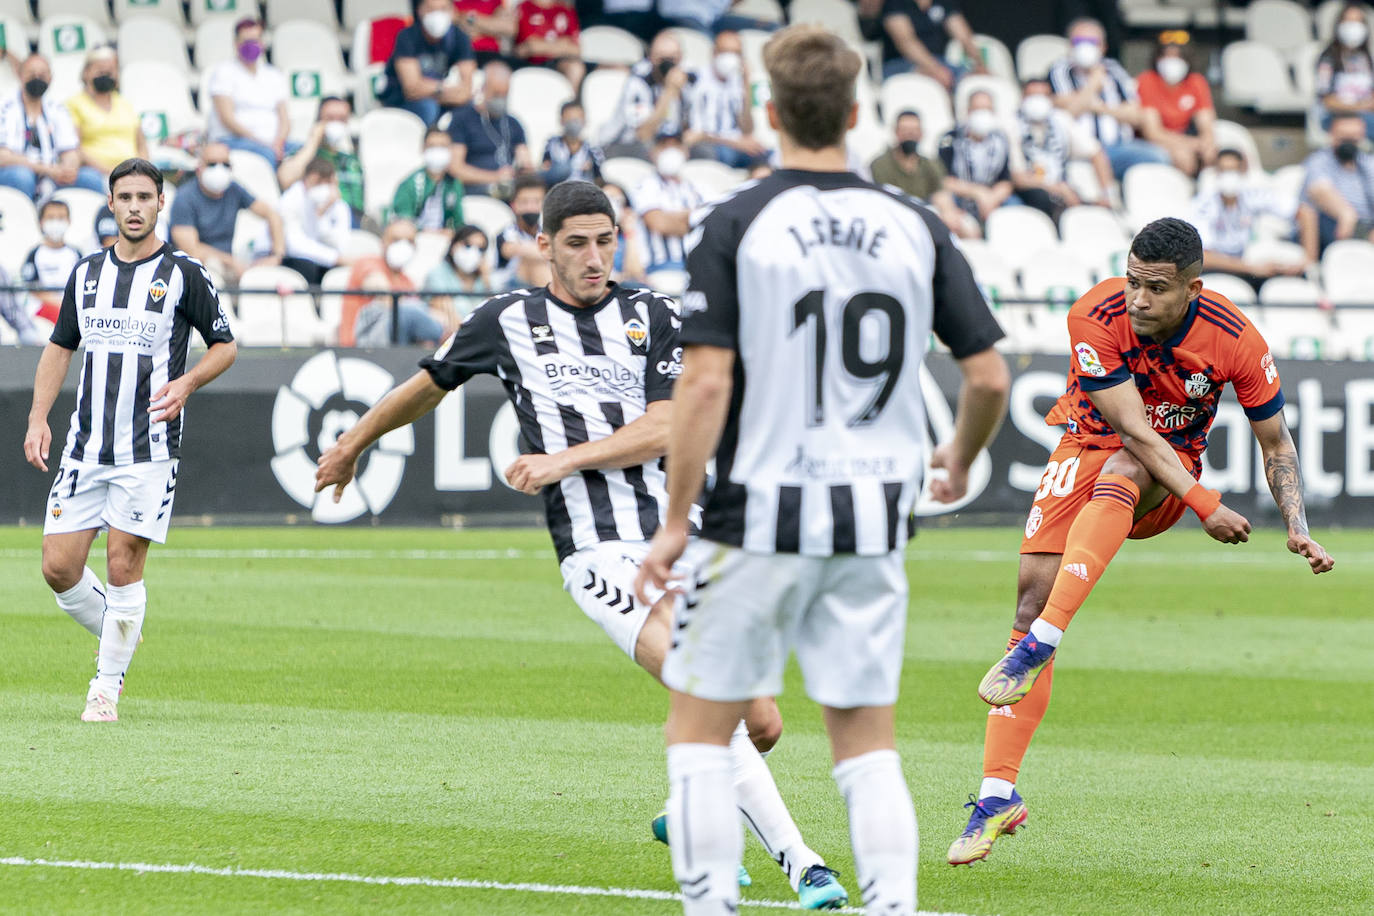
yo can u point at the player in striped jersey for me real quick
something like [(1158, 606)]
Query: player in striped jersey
[(132, 307), (811, 301), (589, 367), (1152, 353)]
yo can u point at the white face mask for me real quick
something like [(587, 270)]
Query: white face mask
[(1352, 33), (671, 161), (336, 134), (216, 178), (1229, 183), (437, 158), (399, 253), (1086, 54), (1036, 107), (468, 258), (437, 23), (320, 194), (727, 64), (1172, 69), (54, 229), (981, 122)]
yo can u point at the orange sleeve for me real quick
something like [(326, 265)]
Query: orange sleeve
[(1094, 342), (1256, 377)]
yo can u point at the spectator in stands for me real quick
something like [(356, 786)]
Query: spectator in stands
[(568, 155), (518, 261), (106, 124), (463, 277), (903, 167), (1225, 217), (488, 143), (710, 16), (720, 123), (977, 160), (664, 201), (1338, 191), (1050, 140), (367, 320), (638, 17), (1345, 70), (430, 196), (547, 34), (488, 23), (50, 262), (38, 143), (330, 139), (1177, 104), (652, 101), (426, 54), (628, 264), (1101, 95), (206, 208), (915, 33), (105, 228), (316, 221), (248, 98)]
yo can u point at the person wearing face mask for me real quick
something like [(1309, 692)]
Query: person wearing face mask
[(1049, 140), (977, 159), (248, 98), (316, 221), (1101, 96), (463, 275), (430, 196), (1337, 200), (107, 125), (915, 33), (569, 155), (665, 201), (50, 262), (1177, 105), (903, 166), (431, 66), (1345, 70), (547, 34), (517, 249), (653, 100), (488, 143), (38, 142), (393, 314), (206, 208), (330, 139), (1225, 218), (720, 123)]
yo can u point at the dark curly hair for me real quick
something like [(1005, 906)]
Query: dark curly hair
[(1170, 241)]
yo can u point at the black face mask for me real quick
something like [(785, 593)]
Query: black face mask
[(665, 67), (103, 83), (531, 220), (1346, 151), (35, 87), (908, 147)]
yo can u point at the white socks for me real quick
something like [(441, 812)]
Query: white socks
[(704, 836), (1046, 632), (882, 831), (764, 810), (124, 608), (995, 788), (85, 601)]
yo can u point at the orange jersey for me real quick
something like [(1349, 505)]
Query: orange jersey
[(1179, 379)]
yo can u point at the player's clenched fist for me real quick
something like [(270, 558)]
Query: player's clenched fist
[(1314, 553), (1227, 526), (336, 468)]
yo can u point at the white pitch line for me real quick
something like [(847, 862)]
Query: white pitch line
[(276, 874), (175, 553)]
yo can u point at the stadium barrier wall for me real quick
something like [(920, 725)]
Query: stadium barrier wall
[(252, 437)]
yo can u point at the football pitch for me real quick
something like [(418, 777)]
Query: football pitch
[(364, 720)]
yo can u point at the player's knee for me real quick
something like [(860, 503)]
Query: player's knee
[(765, 726), (61, 573), (1128, 465), (123, 566)]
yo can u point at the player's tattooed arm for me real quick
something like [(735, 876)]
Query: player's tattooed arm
[(1285, 483)]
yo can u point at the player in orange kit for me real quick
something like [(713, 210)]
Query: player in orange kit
[(1127, 467)]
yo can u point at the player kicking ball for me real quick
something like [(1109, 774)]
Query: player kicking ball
[(1151, 354)]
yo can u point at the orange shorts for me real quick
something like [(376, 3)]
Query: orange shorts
[(1065, 489)]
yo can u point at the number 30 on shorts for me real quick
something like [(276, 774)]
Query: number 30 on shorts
[(1058, 479)]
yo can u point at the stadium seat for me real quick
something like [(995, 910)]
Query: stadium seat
[(305, 45), (430, 248), (488, 214), (322, 11), (257, 177), (160, 91), (697, 49), (83, 205), (1037, 53), (213, 42), (356, 12), (389, 132), (96, 10), (18, 229), (331, 303), (607, 45), (65, 41), (1256, 75), (837, 15), (1324, 19), (626, 172), (668, 282), (924, 96), (1346, 268), (152, 38), (996, 58), (535, 97), (1290, 291), (1304, 58), (1057, 276), (1269, 249), (14, 33), (1006, 97), (374, 40), (169, 10), (201, 10), (18, 10), (1355, 331), (1082, 177), (1230, 135), (1017, 231), (762, 10), (273, 319), (1154, 14), (365, 88), (600, 94), (384, 175), (1280, 24), (1233, 288), (362, 244), (1153, 190), (1093, 234), (712, 178), (1298, 333)]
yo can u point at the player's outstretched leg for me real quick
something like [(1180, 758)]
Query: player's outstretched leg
[(78, 590)]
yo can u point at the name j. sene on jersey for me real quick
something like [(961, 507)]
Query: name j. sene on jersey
[(854, 234), (122, 329)]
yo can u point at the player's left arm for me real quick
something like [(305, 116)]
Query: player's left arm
[(201, 305), (1285, 483)]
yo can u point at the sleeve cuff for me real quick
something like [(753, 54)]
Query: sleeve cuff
[(1266, 410), (709, 337), (1110, 380)]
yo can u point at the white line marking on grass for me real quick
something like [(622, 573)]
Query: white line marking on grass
[(276, 874), (174, 553)]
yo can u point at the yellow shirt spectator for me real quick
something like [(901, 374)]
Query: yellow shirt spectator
[(107, 125)]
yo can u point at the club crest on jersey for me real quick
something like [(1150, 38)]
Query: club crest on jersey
[(1088, 361), (636, 331), (158, 289), (542, 333), (1197, 385)]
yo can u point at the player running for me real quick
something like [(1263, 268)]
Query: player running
[(589, 367), (1151, 355)]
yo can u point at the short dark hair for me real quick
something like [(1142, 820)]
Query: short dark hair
[(1231, 151), (435, 131), (136, 166), (907, 113), (1168, 241), (812, 73), (53, 202), (574, 198), (326, 99), (247, 22), (526, 183), (321, 167), (570, 104), (469, 229)]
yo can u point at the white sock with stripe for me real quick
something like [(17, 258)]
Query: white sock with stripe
[(704, 836), (765, 813), (84, 602), (882, 831), (124, 609)]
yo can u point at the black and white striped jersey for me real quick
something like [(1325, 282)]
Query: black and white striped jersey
[(827, 287), (576, 375), (134, 322)]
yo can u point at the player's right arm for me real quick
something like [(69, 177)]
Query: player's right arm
[(47, 380)]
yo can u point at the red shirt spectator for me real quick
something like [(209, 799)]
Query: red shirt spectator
[(480, 42), (1178, 104), (547, 21)]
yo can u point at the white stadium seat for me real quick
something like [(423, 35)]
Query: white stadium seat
[(83, 204), (1056, 275), (1256, 75), (331, 303), (997, 58), (1346, 268), (1152, 190), (837, 15), (17, 10), (1324, 19), (169, 10), (1355, 328), (1290, 291), (1154, 14), (202, 10), (626, 172), (1298, 333), (1036, 53), (1230, 135), (66, 40), (668, 282), (600, 95), (88, 9), (152, 38), (16, 35), (1284, 252), (762, 10), (1304, 58), (356, 12), (607, 45), (711, 178), (1280, 24), (1233, 288), (274, 319), (389, 148), (279, 11), (536, 94), (697, 49), (257, 177), (18, 229), (304, 44), (924, 96), (488, 214), (157, 89), (214, 42), (1019, 230)]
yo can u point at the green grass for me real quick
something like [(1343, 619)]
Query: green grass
[(1207, 750)]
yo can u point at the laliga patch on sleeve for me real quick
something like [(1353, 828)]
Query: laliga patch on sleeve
[(1088, 361), (445, 347)]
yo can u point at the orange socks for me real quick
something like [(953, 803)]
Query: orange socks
[(1094, 538), (1010, 728)]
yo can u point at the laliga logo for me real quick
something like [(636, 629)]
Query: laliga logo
[(940, 423), (323, 401)]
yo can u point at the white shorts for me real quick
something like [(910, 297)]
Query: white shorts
[(601, 579), (844, 616), (134, 498)]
